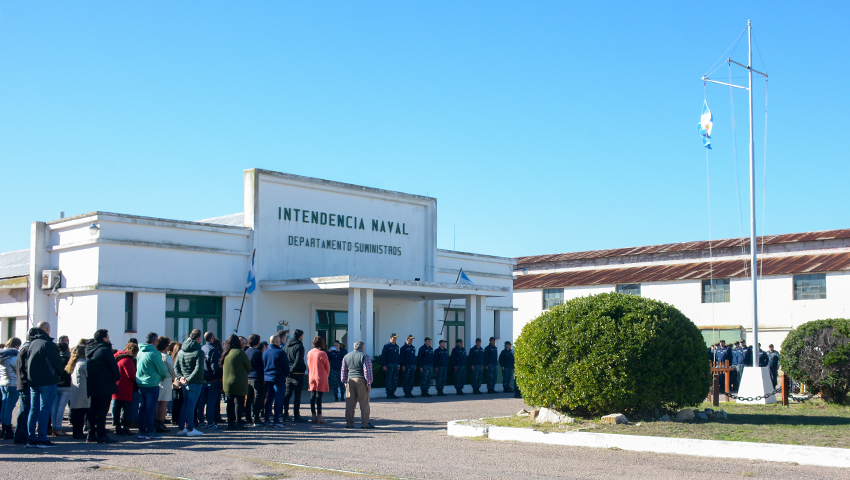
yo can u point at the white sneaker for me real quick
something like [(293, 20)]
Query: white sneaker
[(194, 433), (182, 433)]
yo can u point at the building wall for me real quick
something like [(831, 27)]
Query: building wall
[(778, 311)]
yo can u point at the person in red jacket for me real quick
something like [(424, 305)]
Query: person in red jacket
[(126, 385)]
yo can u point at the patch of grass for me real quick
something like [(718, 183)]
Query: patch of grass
[(813, 423)]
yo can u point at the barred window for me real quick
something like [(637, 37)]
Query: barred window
[(715, 291), (629, 289), (552, 297), (810, 286)]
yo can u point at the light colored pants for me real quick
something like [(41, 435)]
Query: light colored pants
[(357, 392), (63, 395)]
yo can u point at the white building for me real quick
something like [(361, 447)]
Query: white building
[(804, 277), (342, 261)]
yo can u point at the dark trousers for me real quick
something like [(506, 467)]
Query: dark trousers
[(21, 432), (78, 419), (274, 400), (316, 402), (97, 416), (294, 385), (121, 415), (235, 409), (256, 399), (210, 399), (176, 405)]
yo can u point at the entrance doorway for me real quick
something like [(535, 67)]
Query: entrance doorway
[(332, 325)]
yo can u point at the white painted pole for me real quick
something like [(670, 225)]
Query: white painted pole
[(753, 264)]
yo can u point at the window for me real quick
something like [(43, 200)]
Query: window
[(184, 313), (715, 291), (10, 328), (629, 289), (810, 287), (552, 297), (332, 325), (129, 319)]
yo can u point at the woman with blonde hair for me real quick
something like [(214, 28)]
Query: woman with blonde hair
[(319, 368), (166, 386), (79, 399), (176, 390)]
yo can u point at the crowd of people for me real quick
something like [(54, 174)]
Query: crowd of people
[(740, 355), (140, 382)]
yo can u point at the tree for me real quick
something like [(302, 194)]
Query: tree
[(817, 353), (611, 353)]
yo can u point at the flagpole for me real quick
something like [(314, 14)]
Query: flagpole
[(753, 264), (244, 294)]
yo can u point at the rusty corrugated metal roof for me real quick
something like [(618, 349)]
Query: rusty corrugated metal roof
[(687, 246), (795, 264)]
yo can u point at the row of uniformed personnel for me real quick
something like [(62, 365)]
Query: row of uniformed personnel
[(433, 365)]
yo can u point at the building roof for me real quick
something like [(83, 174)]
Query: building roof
[(686, 246), (794, 264), (15, 264), (232, 220)]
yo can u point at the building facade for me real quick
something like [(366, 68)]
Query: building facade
[(802, 277), (342, 261)]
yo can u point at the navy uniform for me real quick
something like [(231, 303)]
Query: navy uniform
[(722, 354), (425, 362), (506, 361), (773, 364), (408, 365), (335, 358), (476, 358), (390, 358), (441, 364), (459, 362), (491, 364)]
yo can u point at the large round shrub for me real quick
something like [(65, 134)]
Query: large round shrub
[(817, 353), (611, 353)]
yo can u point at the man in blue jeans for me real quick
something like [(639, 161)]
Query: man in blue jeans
[(211, 391), (150, 371), (189, 369), (43, 364), (275, 371)]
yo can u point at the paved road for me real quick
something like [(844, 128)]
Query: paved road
[(410, 442)]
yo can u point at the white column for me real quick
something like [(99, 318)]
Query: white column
[(481, 315), (470, 315), (367, 318), (497, 324), (354, 324)]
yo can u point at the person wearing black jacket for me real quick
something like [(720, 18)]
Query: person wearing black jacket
[(24, 395), (211, 391), (63, 391), (295, 381), (43, 367), (256, 383), (491, 362), (101, 382)]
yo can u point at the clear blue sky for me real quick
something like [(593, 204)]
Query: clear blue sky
[(540, 127)]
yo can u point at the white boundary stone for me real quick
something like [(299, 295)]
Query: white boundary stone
[(803, 455)]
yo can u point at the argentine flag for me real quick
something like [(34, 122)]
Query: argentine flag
[(705, 124), (464, 280), (251, 284)]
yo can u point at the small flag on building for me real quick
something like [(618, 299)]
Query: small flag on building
[(251, 284), (463, 279), (705, 124)]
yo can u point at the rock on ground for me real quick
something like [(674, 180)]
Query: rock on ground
[(685, 415), (615, 418), (547, 415)]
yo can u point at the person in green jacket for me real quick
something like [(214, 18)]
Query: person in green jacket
[(236, 367), (150, 371), (190, 374)]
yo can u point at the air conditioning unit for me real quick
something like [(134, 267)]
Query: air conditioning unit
[(50, 279)]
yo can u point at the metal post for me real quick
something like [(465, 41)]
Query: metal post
[(753, 264)]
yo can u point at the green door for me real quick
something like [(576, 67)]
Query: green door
[(184, 313)]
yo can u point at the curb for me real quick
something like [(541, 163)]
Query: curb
[(456, 430), (771, 452)]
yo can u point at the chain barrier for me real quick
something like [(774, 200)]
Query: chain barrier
[(754, 399), (801, 399)]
